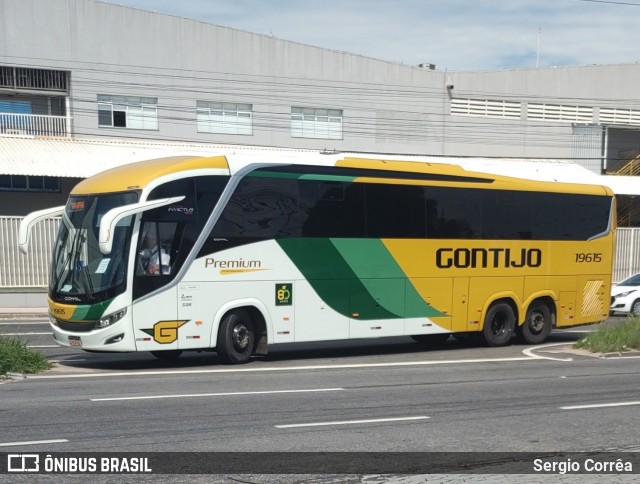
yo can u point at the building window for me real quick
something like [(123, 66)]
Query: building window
[(128, 112), (316, 123), (224, 118), (21, 183)]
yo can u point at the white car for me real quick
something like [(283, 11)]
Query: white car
[(625, 296)]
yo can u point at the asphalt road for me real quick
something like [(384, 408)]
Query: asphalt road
[(388, 395)]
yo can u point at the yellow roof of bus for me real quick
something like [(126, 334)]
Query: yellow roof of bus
[(136, 176)]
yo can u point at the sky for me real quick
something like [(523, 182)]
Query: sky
[(455, 35)]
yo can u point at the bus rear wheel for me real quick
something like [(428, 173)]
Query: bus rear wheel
[(499, 324), (536, 326), (236, 338)]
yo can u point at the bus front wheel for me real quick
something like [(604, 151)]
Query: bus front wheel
[(236, 338), (536, 326), (499, 324)]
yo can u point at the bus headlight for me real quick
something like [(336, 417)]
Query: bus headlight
[(53, 320), (110, 319)]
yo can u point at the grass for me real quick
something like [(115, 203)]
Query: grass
[(16, 357), (608, 339)]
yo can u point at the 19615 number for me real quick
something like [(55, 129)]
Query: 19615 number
[(588, 257)]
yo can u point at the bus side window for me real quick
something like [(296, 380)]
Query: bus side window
[(154, 257)]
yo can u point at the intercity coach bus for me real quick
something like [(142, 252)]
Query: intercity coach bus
[(229, 255)]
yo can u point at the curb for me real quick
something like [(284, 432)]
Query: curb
[(621, 354)]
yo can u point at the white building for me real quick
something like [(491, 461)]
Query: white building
[(99, 83)]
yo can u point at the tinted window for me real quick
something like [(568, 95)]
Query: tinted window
[(260, 208), (395, 211), (332, 209), (453, 213), (265, 206), (506, 214)]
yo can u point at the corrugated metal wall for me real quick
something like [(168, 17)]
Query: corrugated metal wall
[(587, 146), (627, 258)]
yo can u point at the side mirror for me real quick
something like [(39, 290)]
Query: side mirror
[(30, 221), (113, 216)]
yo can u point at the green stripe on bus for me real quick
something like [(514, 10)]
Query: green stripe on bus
[(385, 280), (88, 312), (357, 276), (333, 280), (301, 176)]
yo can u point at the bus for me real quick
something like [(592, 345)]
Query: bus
[(230, 254)]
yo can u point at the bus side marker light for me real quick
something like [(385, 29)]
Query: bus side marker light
[(193, 337), (356, 315), (143, 339), (376, 327), (286, 318), (198, 323), (284, 332)]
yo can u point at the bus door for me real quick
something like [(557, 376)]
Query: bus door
[(155, 315)]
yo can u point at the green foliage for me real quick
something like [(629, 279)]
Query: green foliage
[(15, 356), (619, 338)]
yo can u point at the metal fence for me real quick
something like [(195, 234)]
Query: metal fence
[(627, 257), (32, 269), (33, 125)]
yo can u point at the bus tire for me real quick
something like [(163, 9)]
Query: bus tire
[(430, 339), (537, 324), (499, 324), (236, 337), (167, 355)]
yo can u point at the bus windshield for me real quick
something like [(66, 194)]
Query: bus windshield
[(80, 273)]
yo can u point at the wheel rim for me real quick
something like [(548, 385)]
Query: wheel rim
[(240, 337), (536, 322), (499, 324), (635, 309)]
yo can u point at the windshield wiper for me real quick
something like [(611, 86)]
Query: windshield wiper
[(84, 269)]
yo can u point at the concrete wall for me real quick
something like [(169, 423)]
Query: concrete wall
[(388, 107)]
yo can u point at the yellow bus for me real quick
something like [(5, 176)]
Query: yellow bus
[(229, 254)]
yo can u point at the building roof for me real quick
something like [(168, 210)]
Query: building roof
[(82, 158)]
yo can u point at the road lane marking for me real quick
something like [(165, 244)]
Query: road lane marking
[(271, 392), (529, 352), (599, 405), (33, 442), (282, 368), (43, 346), (350, 422)]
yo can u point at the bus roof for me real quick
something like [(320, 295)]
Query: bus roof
[(137, 176)]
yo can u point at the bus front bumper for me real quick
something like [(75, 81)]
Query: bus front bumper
[(115, 338)]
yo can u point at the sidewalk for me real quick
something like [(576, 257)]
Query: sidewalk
[(21, 314)]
